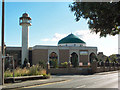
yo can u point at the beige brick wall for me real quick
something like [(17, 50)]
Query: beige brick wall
[(39, 54), (83, 58), (63, 56)]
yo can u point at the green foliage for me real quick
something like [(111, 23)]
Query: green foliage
[(65, 64), (34, 70), (113, 58), (54, 63), (8, 73), (108, 60), (102, 17), (42, 64)]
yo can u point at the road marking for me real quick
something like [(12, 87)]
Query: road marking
[(81, 86), (0, 87), (47, 84)]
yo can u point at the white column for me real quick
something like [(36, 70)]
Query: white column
[(0, 67), (48, 57), (118, 43), (25, 37)]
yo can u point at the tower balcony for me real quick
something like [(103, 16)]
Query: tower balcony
[(21, 22)]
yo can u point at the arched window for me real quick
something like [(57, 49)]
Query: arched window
[(53, 59), (92, 57), (74, 59)]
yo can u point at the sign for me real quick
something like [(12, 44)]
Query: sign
[(83, 52)]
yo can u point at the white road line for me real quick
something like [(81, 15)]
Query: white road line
[(81, 86), (0, 87)]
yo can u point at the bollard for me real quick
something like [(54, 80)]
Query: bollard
[(28, 65), (69, 64)]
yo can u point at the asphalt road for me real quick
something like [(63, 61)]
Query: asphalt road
[(83, 81)]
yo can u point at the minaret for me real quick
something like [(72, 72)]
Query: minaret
[(25, 22)]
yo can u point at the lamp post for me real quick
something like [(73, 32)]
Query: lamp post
[(2, 43)]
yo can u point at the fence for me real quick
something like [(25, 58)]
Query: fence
[(95, 67), (104, 67)]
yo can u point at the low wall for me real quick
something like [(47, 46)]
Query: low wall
[(79, 70), (84, 69), (95, 68), (106, 69)]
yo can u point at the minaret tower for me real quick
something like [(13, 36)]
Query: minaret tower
[(25, 22)]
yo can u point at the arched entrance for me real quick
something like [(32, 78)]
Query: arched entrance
[(74, 59), (92, 57), (53, 59)]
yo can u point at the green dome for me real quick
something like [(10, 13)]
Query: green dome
[(71, 38)]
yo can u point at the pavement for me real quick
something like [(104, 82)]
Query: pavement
[(53, 79), (30, 83)]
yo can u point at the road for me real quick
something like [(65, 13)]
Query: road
[(83, 81)]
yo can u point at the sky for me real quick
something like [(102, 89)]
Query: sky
[(51, 21)]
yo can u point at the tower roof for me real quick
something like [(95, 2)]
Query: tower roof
[(71, 38), (25, 15)]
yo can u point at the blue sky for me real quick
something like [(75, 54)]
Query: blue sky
[(51, 21)]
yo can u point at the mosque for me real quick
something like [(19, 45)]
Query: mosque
[(69, 49)]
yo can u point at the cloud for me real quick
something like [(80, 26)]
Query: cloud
[(55, 38), (46, 39), (86, 34), (108, 45)]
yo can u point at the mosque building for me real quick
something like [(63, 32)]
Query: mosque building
[(69, 49)]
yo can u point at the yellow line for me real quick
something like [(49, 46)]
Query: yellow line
[(47, 84)]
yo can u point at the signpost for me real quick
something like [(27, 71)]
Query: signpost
[(2, 49), (0, 67)]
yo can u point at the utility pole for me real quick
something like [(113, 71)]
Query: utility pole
[(2, 43)]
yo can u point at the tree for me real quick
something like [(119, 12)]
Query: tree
[(103, 18)]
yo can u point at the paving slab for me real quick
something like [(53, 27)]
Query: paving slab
[(31, 83)]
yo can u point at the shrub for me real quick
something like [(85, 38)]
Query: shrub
[(65, 64), (34, 70), (21, 72), (8, 73), (54, 63), (42, 64)]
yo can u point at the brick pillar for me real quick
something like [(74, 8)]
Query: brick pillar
[(109, 66), (114, 66), (119, 66), (94, 66), (48, 68), (104, 66)]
